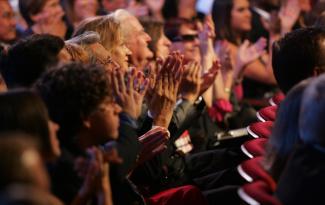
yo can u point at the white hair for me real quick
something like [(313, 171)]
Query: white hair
[(89, 37), (124, 18)]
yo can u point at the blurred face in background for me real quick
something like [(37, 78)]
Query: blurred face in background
[(85, 8), (7, 22), (187, 43), (112, 5), (241, 16), (163, 46)]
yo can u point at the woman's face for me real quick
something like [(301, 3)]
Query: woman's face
[(163, 45), (241, 16), (85, 8), (121, 54), (52, 8), (55, 144)]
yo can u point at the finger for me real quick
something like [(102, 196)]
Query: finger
[(115, 83), (120, 78)]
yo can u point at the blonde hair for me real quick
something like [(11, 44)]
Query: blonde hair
[(108, 29)]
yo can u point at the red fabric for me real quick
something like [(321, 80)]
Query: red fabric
[(219, 109), (261, 129), (268, 113), (255, 147), (278, 97), (254, 169), (260, 192), (187, 195), (239, 92)]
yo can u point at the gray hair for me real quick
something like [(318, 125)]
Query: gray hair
[(86, 38)]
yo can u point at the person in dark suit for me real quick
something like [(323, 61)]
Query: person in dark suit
[(304, 175)]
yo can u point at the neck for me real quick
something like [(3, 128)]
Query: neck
[(84, 140)]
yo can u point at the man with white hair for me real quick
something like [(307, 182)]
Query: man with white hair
[(135, 37)]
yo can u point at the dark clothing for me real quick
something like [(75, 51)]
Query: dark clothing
[(303, 179), (252, 88), (66, 183)]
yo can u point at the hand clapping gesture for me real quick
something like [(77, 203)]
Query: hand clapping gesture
[(129, 89), (164, 94)]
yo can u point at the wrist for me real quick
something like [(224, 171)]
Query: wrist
[(190, 97)]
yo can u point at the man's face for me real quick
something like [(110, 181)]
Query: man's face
[(187, 43), (137, 41), (7, 22)]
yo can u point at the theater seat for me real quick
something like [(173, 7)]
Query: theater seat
[(186, 195), (252, 170), (277, 98), (267, 113), (254, 148), (260, 129), (257, 193)]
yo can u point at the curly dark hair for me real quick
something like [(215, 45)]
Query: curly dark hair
[(71, 93), (26, 60)]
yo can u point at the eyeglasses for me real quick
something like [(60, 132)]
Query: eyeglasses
[(186, 37)]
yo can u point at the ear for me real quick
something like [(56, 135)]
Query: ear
[(317, 71), (86, 122)]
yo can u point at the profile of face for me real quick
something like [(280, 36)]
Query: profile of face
[(104, 121), (163, 46), (55, 144), (241, 16), (7, 22), (187, 43), (121, 54), (137, 41), (85, 8)]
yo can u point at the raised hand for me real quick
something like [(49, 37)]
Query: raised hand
[(191, 81), (209, 77), (95, 171), (289, 14), (164, 95), (248, 53), (129, 94), (153, 142)]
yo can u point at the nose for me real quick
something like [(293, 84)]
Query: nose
[(127, 50), (196, 42), (148, 38), (55, 126), (118, 108), (168, 43)]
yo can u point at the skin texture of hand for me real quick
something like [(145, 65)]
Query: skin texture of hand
[(206, 37), (153, 142), (289, 14), (95, 171), (209, 77), (191, 81), (248, 53), (164, 95), (129, 94)]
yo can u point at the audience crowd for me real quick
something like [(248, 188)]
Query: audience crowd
[(162, 102)]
